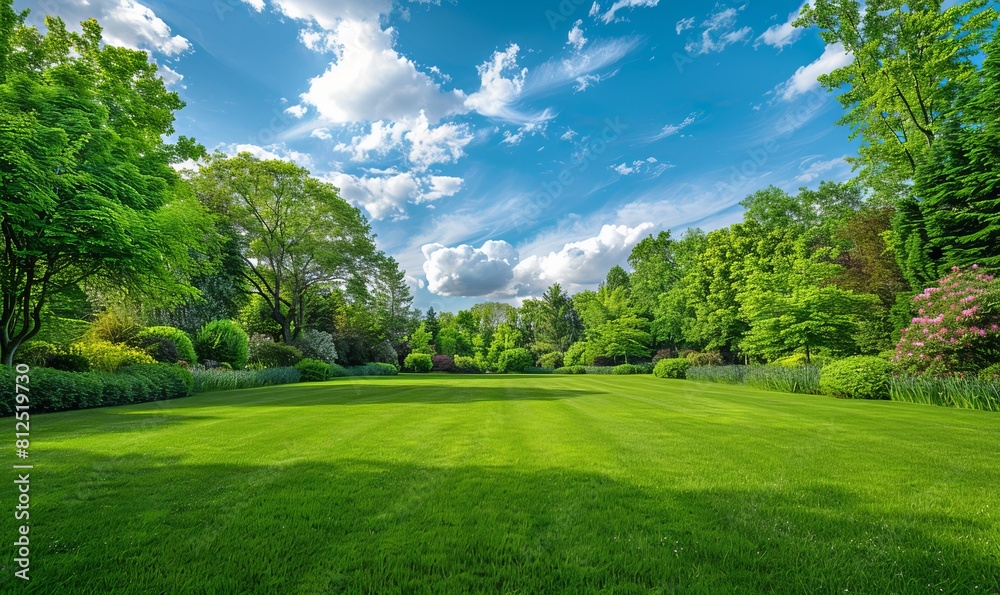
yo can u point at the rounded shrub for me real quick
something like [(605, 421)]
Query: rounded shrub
[(514, 361), (268, 354), (39, 354), (553, 360), (442, 363), (700, 360), (316, 345), (313, 370), (629, 369), (110, 357), (184, 346), (418, 362), (467, 365), (672, 368), (223, 341), (858, 377), (113, 327)]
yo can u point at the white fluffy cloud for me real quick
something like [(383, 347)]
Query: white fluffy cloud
[(611, 13), (806, 77), (501, 84), (496, 269), (126, 23), (468, 271), (276, 151), (428, 145), (576, 38), (782, 34), (369, 80), (719, 31), (385, 194)]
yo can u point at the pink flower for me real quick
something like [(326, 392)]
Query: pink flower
[(975, 267)]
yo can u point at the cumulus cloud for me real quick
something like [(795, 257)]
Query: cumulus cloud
[(576, 38), (496, 269), (719, 31), (297, 111), (126, 23), (806, 78), (385, 194), (500, 88), (428, 144), (611, 14), (468, 271), (369, 80)]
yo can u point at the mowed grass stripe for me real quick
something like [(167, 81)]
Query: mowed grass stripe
[(521, 484)]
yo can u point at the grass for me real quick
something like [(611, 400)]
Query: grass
[(527, 484)]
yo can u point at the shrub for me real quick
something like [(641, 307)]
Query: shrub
[(185, 348), (385, 354), (223, 341), (570, 370), (336, 371), (317, 345), (467, 365), (603, 361), (537, 370), (46, 355), (373, 369), (113, 327), (580, 353), (206, 381), (514, 361), (418, 362), (158, 348), (442, 363), (599, 369), (168, 381), (956, 327), (551, 360), (268, 354), (313, 370), (672, 368), (109, 357), (664, 354), (62, 331), (628, 369), (990, 373), (700, 360), (858, 377)]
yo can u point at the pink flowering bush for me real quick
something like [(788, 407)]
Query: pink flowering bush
[(956, 327)]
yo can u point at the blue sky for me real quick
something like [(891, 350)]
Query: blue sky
[(498, 147)]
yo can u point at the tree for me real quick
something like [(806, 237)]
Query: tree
[(87, 190), (617, 279), (623, 337), (295, 232), (560, 325), (505, 338), (654, 271), (431, 322), (908, 60), (420, 340)]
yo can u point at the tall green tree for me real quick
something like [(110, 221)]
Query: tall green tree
[(86, 187), (654, 271), (295, 231)]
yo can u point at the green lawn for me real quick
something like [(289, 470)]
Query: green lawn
[(523, 484)]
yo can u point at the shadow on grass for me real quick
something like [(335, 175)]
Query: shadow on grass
[(146, 524)]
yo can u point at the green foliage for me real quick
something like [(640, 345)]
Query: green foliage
[(551, 360), (109, 357), (62, 332), (418, 362), (337, 371), (38, 354), (313, 370), (672, 368), (858, 377), (629, 369), (963, 393), (571, 370), (112, 326), (956, 325), (803, 380), (699, 359), (579, 354), (207, 381), (223, 341), (798, 360), (268, 354), (168, 381), (185, 348), (505, 338), (467, 365), (443, 363), (513, 361), (420, 341), (317, 345), (990, 373), (373, 369)]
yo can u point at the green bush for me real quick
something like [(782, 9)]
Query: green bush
[(38, 354), (337, 371), (206, 381), (418, 362), (700, 360), (990, 373), (185, 347), (373, 369), (571, 370), (169, 381), (537, 370), (317, 345), (109, 357), (798, 360), (858, 377), (268, 354), (113, 327), (467, 365), (313, 370), (515, 361), (599, 369), (551, 360), (628, 369), (223, 341), (62, 331), (672, 368)]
